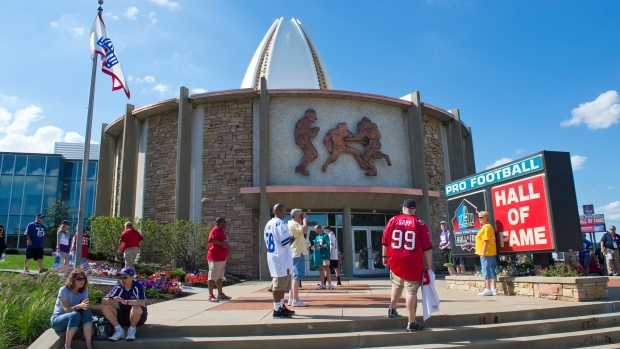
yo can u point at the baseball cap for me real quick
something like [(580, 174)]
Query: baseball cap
[(39, 215), (220, 220), (66, 222), (443, 222), (409, 203), (127, 271)]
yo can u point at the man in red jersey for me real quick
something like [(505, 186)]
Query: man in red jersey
[(407, 249), (129, 245), (216, 256)]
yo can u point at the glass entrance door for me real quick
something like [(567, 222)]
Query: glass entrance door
[(367, 250)]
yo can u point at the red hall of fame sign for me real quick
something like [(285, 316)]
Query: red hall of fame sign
[(521, 216)]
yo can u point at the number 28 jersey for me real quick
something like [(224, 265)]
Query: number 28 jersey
[(406, 238)]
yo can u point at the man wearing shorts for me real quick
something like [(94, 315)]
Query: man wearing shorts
[(129, 245), (446, 247), (407, 250), (280, 259), (298, 227), (486, 248), (333, 254), (216, 256), (35, 235), (131, 310)]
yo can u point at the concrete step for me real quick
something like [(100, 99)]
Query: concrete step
[(563, 332)]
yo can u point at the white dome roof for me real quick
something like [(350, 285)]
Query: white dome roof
[(287, 58)]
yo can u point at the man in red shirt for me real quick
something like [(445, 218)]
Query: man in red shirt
[(407, 249), (218, 252), (129, 245)]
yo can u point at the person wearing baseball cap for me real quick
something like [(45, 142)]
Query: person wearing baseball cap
[(35, 235), (62, 242), (585, 254), (445, 246), (131, 311)]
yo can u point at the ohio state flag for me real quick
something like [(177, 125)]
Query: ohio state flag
[(101, 44)]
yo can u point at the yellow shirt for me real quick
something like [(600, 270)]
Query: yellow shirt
[(299, 246), (486, 234)]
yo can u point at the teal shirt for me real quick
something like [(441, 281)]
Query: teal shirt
[(320, 254)]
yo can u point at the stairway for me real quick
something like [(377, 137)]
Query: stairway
[(584, 325)]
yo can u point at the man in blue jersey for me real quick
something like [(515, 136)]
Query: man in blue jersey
[(35, 236), (131, 310)]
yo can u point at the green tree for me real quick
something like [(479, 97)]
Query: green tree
[(54, 215), (104, 235), (184, 240), (149, 246)]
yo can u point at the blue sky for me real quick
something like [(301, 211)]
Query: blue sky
[(525, 75)]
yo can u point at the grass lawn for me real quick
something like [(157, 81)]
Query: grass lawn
[(16, 262)]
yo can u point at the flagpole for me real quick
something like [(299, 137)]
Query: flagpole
[(80, 226)]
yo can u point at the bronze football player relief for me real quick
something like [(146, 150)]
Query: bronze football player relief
[(336, 143), (303, 138), (368, 135)]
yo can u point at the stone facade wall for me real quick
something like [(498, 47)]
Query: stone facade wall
[(436, 177), (227, 160), (581, 289), (161, 167)]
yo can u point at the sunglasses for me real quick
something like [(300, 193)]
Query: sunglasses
[(80, 279), (125, 277)]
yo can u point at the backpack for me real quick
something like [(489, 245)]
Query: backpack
[(102, 329)]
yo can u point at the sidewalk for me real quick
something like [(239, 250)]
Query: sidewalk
[(358, 298)]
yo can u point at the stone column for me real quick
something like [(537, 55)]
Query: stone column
[(348, 242), (129, 164), (455, 147), (264, 205), (470, 163), (417, 155), (184, 157), (105, 182)]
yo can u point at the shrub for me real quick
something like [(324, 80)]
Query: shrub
[(95, 295), (561, 271), (96, 256), (105, 232), (184, 240), (149, 247), (151, 293), (178, 273)]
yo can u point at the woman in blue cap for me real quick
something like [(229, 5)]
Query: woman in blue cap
[(62, 241)]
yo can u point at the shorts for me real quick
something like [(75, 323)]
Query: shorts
[(447, 257), (459, 260), (489, 267), (282, 283), (130, 254), (411, 287), (299, 267), (124, 320), (333, 263), (216, 270), (34, 253)]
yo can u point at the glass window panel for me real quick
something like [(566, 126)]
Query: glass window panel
[(334, 219), (50, 192), (5, 193), (8, 164), (78, 172), (18, 193), (3, 221), (13, 227), (367, 220), (70, 171), (34, 194), (20, 165), (53, 166), (89, 210), (92, 170), (36, 165), (11, 241)]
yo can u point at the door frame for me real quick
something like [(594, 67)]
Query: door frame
[(370, 270)]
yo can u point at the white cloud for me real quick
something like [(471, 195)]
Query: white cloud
[(603, 112), (611, 211), (193, 91), (15, 135), (499, 162), (577, 161), (519, 151), (68, 24), (149, 79), (110, 15), (131, 13), (170, 4), (152, 17), (4, 99), (162, 89)]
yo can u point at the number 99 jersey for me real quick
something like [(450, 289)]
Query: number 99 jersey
[(406, 238)]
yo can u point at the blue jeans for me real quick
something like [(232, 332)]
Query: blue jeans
[(299, 267), (72, 320), (489, 267)]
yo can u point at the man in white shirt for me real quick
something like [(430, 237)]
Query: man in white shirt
[(333, 253), (280, 259), (298, 227)]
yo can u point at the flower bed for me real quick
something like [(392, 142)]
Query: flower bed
[(571, 289)]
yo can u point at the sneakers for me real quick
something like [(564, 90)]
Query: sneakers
[(281, 313), (42, 270), (131, 334), (118, 334), (223, 297), (494, 291), (287, 310), (299, 303), (486, 292), (392, 313), (414, 327), (331, 287), (321, 287), (290, 302), (213, 299), (339, 284)]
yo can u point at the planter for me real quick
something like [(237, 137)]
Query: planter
[(570, 289)]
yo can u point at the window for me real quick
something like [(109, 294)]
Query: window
[(20, 165), (17, 195), (53, 166), (5, 193), (36, 166), (8, 164), (34, 194)]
